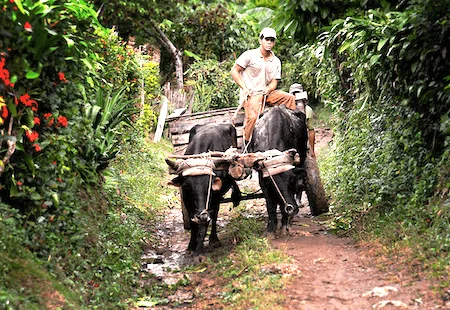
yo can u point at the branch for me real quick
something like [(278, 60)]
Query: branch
[(174, 51)]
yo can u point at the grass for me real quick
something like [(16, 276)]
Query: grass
[(28, 285)]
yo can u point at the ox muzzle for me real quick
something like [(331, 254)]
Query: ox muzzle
[(290, 209), (201, 217)]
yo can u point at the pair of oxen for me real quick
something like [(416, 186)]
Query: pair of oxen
[(277, 151)]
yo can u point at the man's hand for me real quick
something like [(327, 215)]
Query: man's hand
[(247, 93)]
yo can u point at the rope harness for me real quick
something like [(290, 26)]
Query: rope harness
[(202, 164), (269, 163)]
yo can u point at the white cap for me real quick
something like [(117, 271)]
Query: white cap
[(268, 33)]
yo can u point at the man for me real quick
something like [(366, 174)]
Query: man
[(301, 100), (257, 73)]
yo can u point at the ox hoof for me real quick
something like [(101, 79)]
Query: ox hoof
[(270, 235), (284, 231), (215, 243), (198, 259)]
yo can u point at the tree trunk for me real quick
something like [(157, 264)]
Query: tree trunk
[(178, 96)]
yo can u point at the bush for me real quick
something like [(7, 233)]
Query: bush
[(212, 84)]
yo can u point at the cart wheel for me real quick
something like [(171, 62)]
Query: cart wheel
[(314, 188), (186, 219)]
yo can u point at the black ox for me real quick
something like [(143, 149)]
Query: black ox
[(204, 181), (281, 129)]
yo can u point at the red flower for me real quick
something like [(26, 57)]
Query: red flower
[(37, 147), (37, 120), (26, 100), (47, 116), (5, 112), (32, 135), (4, 73), (27, 27), (12, 1), (19, 183), (62, 121), (62, 77)]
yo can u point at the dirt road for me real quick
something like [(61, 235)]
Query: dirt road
[(331, 272)]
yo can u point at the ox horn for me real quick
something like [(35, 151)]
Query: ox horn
[(294, 155)]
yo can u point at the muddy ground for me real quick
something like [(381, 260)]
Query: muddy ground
[(327, 272)]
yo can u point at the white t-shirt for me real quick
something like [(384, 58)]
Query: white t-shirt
[(258, 73)]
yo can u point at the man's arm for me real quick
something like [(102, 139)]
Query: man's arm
[(271, 87), (236, 74)]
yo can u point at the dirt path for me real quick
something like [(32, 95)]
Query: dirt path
[(332, 272)]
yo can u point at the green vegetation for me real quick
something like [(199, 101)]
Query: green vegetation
[(391, 148), (246, 272), (80, 182)]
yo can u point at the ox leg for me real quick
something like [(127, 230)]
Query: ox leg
[(201, 234), (193, 241), (285, 219), (236, 195), (213, 239), (272, 222)]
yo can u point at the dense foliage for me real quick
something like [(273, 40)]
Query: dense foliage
[(73, 151), (67, 94), (389, 89)]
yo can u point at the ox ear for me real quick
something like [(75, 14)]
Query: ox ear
[(173, 166), (217, 184), (177, 182), (301, 178), (300, 173)]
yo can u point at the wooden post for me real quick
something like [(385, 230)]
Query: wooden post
[(161, 120)]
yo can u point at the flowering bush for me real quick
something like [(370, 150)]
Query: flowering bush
[(52, 63), (55, 59)]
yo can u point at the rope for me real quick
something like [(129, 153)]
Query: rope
[(276, 187), (209, 192)]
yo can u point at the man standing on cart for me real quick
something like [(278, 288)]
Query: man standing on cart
[(257, 73)]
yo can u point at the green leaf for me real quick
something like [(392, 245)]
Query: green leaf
[(190, 54), (12, 108), (13, 191), (88, 63), (35, 196), (69, 41), (55, 198), (20, 7), (32, 75), (381, 43), (29, 118), (344, 46), (30, 163), (374, 59)]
